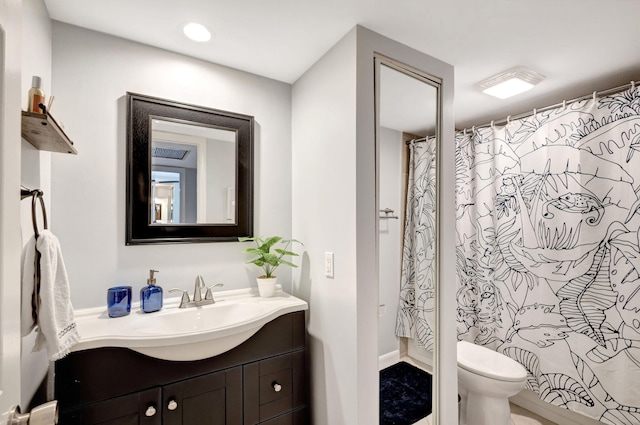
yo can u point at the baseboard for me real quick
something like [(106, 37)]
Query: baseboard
[(388, 359), (530, 401)]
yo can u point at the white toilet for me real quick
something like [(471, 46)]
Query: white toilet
[(486, 380)]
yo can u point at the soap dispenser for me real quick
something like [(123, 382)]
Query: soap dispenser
[(151, 295)]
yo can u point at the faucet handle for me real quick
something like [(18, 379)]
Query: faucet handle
[(209, 294), (185, 296)]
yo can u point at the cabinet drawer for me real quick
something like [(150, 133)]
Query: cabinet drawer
[(275, 380), (273, 387)]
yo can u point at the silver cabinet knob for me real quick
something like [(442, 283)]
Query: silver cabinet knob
[(151, 410), (173, 405), (276, 387)]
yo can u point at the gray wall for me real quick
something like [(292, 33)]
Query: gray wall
[(324, 214)]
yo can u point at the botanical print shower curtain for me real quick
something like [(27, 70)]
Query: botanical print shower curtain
[(548, 251), (416, 308)]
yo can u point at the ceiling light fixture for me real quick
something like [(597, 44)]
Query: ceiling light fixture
[(197, 32), (510, 83)]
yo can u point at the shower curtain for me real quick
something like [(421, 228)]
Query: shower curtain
[(548, 251), (416, 317)]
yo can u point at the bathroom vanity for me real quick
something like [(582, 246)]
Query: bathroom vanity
[(263, 380)]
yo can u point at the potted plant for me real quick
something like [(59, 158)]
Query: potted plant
[(269, 257)]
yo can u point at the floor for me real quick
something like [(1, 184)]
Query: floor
[(519, 416)]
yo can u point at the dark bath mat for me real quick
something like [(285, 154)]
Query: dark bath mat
[(405, 394)]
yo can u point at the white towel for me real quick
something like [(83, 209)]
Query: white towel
[(56, 326)]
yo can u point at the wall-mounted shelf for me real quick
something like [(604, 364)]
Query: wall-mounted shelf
[(43, 132)]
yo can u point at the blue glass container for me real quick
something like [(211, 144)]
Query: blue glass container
[(151, 295), (119, 301)]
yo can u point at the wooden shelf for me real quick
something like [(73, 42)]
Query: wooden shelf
[(43, 132)]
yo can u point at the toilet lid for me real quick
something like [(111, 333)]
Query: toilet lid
[(483, 361)]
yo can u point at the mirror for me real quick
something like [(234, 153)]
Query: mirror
[(407, 137), (189, 172), (193, 175)]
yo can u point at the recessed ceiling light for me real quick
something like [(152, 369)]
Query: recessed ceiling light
[(510, 83), (197, 32)]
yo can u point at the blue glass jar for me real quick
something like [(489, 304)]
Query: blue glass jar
[(151, 295), (119, 301)]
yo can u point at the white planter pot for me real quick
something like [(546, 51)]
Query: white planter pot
[(266, 286)]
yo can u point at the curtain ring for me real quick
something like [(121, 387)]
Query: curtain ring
[(473, 130), (595, 96), (633, 84), (464, 131), (508, 119), (492, 126), (564, 104), (535, 112)]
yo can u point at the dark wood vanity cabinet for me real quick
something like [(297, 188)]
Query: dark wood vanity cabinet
[(131, 409), (262, 381)]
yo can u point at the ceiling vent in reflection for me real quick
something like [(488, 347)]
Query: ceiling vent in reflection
[(168, 153)]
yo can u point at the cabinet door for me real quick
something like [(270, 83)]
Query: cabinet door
[(142, 408), (273, 387), (213, 399)]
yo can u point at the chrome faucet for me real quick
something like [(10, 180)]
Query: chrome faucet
[(198, 301)]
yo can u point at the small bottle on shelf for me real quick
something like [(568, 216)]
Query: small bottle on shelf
[(36, 95)]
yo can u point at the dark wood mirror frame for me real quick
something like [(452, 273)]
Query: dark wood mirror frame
[(140, 110)]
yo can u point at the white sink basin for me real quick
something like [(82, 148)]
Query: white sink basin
[(191, 333), (204, 319)]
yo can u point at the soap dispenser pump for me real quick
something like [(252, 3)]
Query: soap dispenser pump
[(151, 295)]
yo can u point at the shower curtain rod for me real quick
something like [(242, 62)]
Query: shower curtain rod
[(418, 140), (564, 103)]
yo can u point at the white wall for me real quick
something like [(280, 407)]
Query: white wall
[(36, 60), (10, 94), (91, 74), (324, 215), (35, 164), (390, 242)]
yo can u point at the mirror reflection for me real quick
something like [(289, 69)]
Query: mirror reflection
[(193, 173), (407, 137)]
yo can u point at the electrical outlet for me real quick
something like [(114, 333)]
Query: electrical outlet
[(328, 264)]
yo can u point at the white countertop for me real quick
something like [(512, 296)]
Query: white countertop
[(190, 333)]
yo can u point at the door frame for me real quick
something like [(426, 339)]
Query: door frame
[(10, 167)]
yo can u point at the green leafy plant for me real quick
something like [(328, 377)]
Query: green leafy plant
[(270, 256)]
